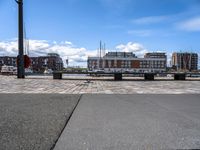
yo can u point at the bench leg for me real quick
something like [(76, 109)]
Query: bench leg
[(117, 76), (149, 76), (57, 76), (179, 76)]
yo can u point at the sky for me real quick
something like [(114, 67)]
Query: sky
[(74, 28)]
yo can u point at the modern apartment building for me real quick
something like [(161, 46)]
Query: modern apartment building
[(126, 61), (9, 61), (38, 64), (185, 61), (51, 61)]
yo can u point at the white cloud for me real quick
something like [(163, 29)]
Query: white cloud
[(136, 48), (190, 24), (9, 46), (150, 19), (76, 55)]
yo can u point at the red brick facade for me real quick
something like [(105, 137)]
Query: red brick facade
[(38, 64)]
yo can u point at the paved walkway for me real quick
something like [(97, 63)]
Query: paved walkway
[(127, 122), (45, 84)]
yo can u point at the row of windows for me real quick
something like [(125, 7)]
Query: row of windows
[(129, 66), (152, 62), (129, 62), (154, 66), (8, 62)]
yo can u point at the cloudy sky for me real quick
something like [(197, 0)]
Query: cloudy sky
[(73, 28)]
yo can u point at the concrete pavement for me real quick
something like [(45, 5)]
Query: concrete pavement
[(33, 121), (127, 122)]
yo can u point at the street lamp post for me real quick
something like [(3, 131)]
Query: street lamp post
[(20, 58)]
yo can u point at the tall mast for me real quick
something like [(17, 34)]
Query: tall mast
[(190, 62), (100, 65), (100, 49), (104, 49)]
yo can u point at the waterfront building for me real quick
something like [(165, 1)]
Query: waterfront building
[(38, 64), (8, 61), (128, 62), (51, 61), (185, 61)]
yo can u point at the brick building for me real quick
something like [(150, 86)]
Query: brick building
[(185, 61), (38, 64), (51, 61), (9, 61), (126, 61)]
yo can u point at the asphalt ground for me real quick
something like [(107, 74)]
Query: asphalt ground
[(33, 121), (128, 122)]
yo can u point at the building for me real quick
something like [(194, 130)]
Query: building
[(51, 61), (9, 61), (127, 61), (38, 64), (185, 61)]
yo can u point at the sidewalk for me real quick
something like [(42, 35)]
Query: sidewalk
[(126, 122)]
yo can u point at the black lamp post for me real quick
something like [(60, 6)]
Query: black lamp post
[(20, 57)]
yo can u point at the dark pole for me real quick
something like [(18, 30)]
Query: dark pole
[(20, 64)]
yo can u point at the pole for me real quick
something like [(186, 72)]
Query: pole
[(100, 56), (20, 64)]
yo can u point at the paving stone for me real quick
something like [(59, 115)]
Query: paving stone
[(101, 85)]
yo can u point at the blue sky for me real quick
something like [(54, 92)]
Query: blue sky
[(73, 28)]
